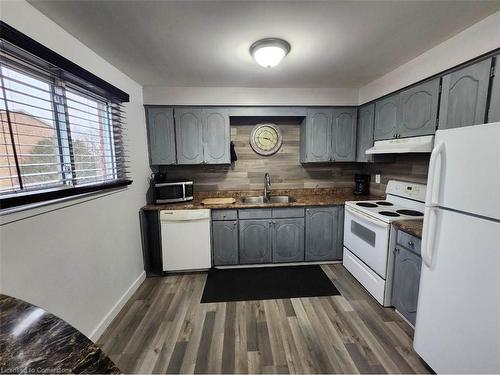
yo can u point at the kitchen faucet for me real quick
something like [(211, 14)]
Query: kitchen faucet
[(267, 185)]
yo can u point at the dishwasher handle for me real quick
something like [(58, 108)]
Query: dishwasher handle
[(184, 215)]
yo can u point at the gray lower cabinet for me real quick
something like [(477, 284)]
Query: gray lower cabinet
[(407, 266), (189, 135), (225, 242), (494, 112), (386, 118), (216, 136), (464, 96), (418, 108), (344, 122), (316, 133), (288, 240), (161, 135), (255, 241), (323, 236), (366, 116)]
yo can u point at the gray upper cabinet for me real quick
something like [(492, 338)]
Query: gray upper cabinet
[(406, 281), (161, 135), (322, 233), (189, 135), (386, 118), (494, 112), (344, 134), (365, 132), (255, 241), (316, 141), (216, 136), (418, 110), (288, 240), (225, 242), (464, 96)]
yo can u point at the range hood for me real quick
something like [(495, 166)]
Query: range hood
[(403, 145)]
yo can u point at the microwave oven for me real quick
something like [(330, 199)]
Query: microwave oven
[(173, 191)]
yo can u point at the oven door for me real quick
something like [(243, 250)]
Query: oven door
[(368, 239)]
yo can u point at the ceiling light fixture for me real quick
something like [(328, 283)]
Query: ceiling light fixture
[(270, 51)]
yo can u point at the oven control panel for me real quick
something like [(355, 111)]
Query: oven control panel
[(406, 190)]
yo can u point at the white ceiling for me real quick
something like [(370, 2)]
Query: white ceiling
[(205, 43)]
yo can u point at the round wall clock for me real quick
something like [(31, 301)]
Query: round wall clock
[(266, 139)]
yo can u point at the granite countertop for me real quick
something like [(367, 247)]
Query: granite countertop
[(304, 197), (413, 227), (35, 341)]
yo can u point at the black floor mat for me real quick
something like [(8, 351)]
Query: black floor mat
[(246, 284)]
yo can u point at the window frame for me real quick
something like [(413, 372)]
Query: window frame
[(74, 79)]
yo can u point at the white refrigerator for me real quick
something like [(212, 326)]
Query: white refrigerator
[(458, 317)]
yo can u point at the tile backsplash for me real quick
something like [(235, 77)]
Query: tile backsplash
[(286, 170)]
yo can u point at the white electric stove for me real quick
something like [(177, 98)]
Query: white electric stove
[(368, 235)]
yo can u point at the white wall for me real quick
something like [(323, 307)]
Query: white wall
[(474, 41), (80, 259), (248, 96)]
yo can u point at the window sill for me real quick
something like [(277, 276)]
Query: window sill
[(30, 201)]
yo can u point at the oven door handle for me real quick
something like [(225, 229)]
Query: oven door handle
[(367, 218)]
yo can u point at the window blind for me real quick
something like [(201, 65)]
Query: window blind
[(55, 134)]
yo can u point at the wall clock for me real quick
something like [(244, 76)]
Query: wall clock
[(266, 139)]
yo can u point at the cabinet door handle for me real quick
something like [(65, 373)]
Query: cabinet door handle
[(234, 224)]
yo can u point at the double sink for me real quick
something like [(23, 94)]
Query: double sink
[(272, 199)]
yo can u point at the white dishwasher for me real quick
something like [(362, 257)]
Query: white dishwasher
[(185, 239)]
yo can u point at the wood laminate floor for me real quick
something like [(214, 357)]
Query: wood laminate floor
[(163, 328)]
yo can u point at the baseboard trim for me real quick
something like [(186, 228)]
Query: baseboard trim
[(108, 318)]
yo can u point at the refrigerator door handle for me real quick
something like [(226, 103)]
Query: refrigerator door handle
[(429, 235), (434, 180)]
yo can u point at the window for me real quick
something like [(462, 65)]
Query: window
[(55, 135)]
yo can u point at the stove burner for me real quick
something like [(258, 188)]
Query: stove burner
[(389, 213), (384, 203), (366, 204), (410, 212)]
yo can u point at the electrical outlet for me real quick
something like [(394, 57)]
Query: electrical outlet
[(377, 179)]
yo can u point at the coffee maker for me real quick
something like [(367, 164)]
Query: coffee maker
[(362, 184)]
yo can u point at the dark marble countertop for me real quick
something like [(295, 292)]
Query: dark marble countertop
[(413, 227), (35, 341), (303, 197)]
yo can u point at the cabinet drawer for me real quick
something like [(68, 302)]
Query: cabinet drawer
[(224, 215), (279, 213), (409, 242), (257, 213)]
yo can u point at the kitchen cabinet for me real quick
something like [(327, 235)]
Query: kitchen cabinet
[(161, 135), (418, 108), (386, 118), (366, 116), (316, 136), (189, 135), (255, 241), (288, 240), (494, 111), (407, 266), (344, 122), (328, 135), (151, 242), (410, 113), (323, 233), (225, 242), (216, 136), (464, 96), (202, 135)]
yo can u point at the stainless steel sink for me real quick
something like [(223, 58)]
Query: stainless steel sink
[(272, 199), (253, 200), (281, 199)]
